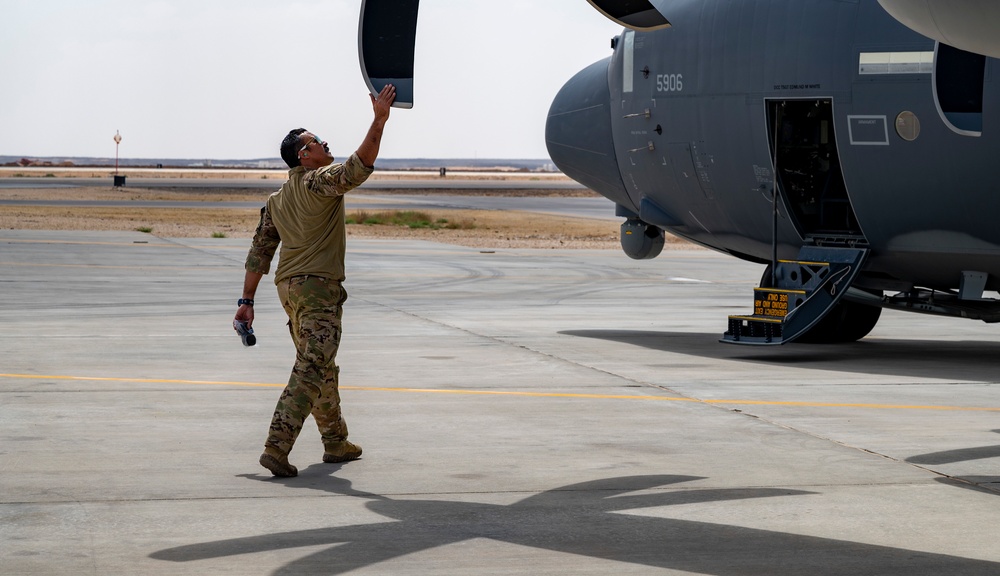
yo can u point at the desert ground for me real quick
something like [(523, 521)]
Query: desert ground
[(475, 228)]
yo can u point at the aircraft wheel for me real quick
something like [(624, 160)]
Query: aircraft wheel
[(847, 322), (765, 277)]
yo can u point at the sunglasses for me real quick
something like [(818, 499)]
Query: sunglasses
[(316, 140)]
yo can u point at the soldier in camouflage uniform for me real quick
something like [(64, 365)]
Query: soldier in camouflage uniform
[(306, 218)]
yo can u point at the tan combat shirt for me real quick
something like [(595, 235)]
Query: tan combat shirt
[(307, 218)]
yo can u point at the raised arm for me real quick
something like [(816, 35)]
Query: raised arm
[(368, 151)]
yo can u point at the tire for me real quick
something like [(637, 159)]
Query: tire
[(847, 322)]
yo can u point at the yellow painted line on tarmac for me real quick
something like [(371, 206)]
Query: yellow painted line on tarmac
[(870, 406)]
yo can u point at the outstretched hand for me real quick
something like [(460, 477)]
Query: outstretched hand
[(383, 103)]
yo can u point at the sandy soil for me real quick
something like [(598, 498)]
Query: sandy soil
[(480, 228)]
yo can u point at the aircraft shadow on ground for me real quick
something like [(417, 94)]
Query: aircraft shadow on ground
[(953, 361), (581, 519), (984, 484), (960, 455)]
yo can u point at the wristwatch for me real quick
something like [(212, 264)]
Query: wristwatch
[(246, 301)]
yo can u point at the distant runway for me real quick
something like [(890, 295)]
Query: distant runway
[(446, 183), (577, 207)]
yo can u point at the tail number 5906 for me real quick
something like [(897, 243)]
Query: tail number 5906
[(669, 82)]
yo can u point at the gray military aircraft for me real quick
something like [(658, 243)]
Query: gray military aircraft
[(845, 151)]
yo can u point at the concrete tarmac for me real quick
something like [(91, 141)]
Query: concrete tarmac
[(521, 412)]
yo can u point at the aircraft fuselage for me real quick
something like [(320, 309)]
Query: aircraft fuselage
[(876, 137)]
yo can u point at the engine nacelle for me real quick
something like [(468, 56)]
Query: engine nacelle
[(969, 25), (641, 241), (634, 14)]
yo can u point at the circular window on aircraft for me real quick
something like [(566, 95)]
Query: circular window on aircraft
[(908, 126)]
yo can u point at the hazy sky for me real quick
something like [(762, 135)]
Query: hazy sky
[(227, 78)]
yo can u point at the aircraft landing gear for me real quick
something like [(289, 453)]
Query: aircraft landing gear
[(847, 322)]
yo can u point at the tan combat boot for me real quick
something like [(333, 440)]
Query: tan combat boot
[(278, 465), (341, 452)]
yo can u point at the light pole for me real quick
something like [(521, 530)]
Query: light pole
[(118, 140), (119, 180)]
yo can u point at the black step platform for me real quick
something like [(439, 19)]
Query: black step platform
[(807, 289)]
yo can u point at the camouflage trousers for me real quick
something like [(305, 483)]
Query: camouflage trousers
[(315, 308)]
